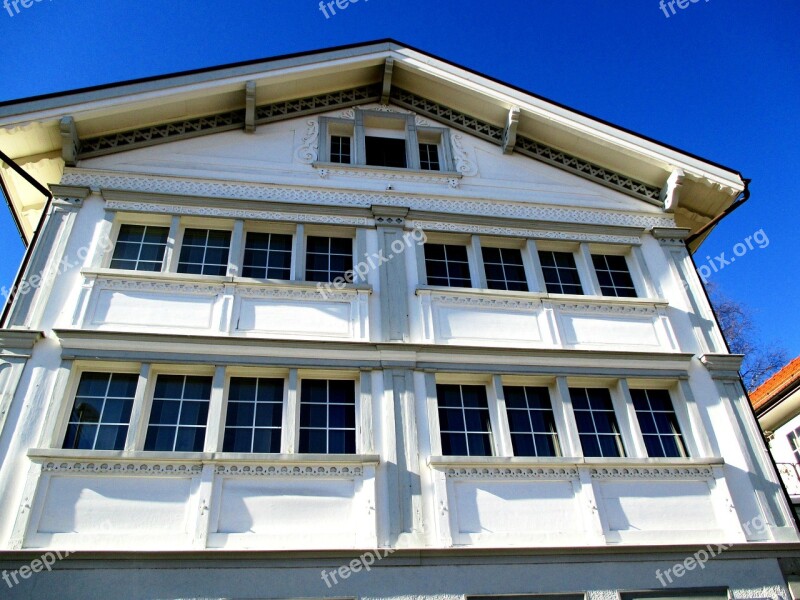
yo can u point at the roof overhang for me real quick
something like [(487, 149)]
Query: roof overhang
[(44, 133)]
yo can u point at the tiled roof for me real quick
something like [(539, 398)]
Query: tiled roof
[(775, 385)]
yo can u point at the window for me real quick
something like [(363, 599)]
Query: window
[(464, 420), (205, 252), (327, 417), (179, 414), (504, 269), (429, 157), (267, 256), (614, 276), (447, 265), (101, 412), (531, 421), (140, 248), (597, 424), (340, 149), (560, 272), (254, 415), (328, 258), (794, 442), (386, 152), (659, 424)]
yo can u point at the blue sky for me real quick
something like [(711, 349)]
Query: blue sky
[(720, 79)]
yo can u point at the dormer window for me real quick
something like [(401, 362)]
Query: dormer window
[(386, 140)]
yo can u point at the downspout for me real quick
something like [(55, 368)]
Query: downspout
[(29, 250)]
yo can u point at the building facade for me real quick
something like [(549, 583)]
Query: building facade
[(363, 323)]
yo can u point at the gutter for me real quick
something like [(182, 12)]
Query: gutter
[(744, 197), (29, 249)]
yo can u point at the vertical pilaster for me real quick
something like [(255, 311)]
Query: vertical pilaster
[(390, 222)]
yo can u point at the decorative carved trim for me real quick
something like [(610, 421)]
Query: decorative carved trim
[(171, 287), (528, 233), (108, 467), (443, 298), (231, 213), (306, 295), (652, 473), (512, 472), (609, 309), (527, 146), (308, 151), (367, 172), (288, 109), (290, 471), (245, 191), (464, 164)]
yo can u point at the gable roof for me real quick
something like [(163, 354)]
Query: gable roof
[(42, 133)]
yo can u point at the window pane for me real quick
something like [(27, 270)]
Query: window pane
[(658, 423), (597, 422), (614, 276), (429, 157), (340, 149), (464, 420), (447, 265), (140, 248), (531, 420), (328, 258), (105, 399), (327, 416), (504, 269), (179, 413), (204, 252), (560, 272), (254, 416), (385, 152), (267, 256)]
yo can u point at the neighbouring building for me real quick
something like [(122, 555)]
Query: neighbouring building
[(364, 323)]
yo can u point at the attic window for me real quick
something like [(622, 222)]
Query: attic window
[(385, 139), (386, 152)]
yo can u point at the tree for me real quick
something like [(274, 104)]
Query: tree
[(760, 361)]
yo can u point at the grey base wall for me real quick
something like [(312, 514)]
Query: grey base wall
[(395, 576)]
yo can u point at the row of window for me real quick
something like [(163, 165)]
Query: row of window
[(466, 428), (268, 256), (384, 152), (207, 252), (504, 268), (254, 417)]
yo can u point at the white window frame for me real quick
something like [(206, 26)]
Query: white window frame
[(143, 220)]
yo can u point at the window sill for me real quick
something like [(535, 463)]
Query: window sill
[(582, 299), (215, 279), (562, 461), (40, 455), (328, 168)]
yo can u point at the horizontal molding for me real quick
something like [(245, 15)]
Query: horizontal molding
[(305, 196), (18, 342), (170, 348)]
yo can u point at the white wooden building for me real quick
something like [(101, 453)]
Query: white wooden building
[(276, 315)]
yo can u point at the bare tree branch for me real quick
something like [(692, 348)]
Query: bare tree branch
[(735, 320)]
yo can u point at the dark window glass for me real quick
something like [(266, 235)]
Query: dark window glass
[(179, 414), (340, 149), (101, 411), (327, 416), (267, 256), (328, 258), (429, 157), (794, 442), (254, 415), (464, 420), (140, 248), (613, 275), (597, 423), (447, 265), (659, 424), (504, 269), (386, 152), (531, 421), (560, 272), (205, 252)]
